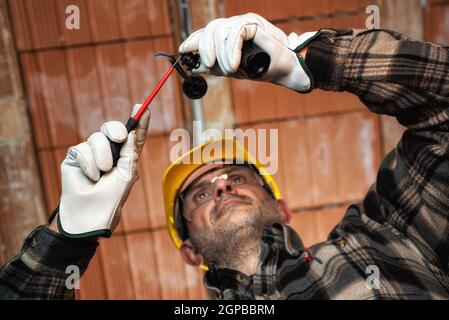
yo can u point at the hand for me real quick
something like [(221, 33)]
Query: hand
[(90, 203), (220, 44)]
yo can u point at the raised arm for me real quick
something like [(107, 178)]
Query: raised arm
[(407, 79), (392, 75), (39, 270), (53, 256)]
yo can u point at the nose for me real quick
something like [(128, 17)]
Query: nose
[(223, 186)]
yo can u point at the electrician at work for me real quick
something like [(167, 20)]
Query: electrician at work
[(232, 219)]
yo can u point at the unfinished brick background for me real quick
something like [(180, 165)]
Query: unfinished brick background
[(76, 80), (330, 145)]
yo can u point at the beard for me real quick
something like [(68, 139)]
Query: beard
[(228, 245)]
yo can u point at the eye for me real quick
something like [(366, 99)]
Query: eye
[(201, 196), (237, 179)]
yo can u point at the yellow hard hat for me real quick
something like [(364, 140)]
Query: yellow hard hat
[(228, 151)]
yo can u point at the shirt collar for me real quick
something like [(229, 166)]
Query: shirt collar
[(278, 237), (283, 237)]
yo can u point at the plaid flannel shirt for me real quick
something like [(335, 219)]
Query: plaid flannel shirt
[(401, 228), (39, 270)]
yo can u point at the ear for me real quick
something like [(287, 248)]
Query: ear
[(190, 255), (284, 210)]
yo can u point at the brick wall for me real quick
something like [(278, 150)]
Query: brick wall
[(436, 21), (77, 79), (330, 145)]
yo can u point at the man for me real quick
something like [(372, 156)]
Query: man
[(232, 218)]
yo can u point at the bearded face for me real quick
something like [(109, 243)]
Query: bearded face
[(238, 235), (226, 211)]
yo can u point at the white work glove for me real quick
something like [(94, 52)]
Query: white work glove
[(220, 42), (90, 205)]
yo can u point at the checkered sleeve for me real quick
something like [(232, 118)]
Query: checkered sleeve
[(46, 267), (407, 79)]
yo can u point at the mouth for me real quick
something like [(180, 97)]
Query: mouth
[(228, 204)]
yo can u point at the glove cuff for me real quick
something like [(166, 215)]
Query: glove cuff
[(106, 233), (296, 44)]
